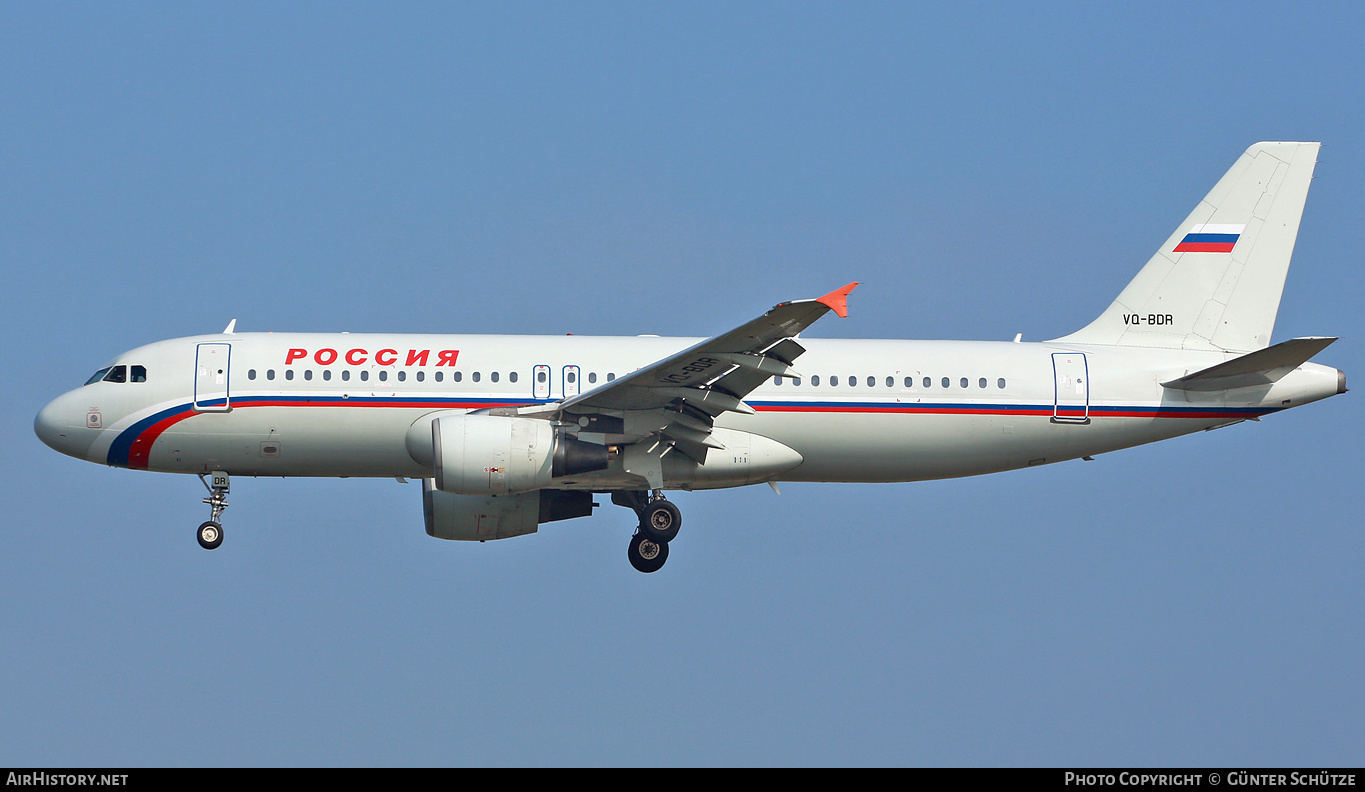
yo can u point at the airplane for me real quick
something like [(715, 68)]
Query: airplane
[(509, 432)]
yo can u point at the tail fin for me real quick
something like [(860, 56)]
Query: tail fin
[(1216, 283)]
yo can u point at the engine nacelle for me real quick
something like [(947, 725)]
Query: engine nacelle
[(478, 518), (498, 454), (492, 454)]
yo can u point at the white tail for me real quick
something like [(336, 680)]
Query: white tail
[(1216, 283)]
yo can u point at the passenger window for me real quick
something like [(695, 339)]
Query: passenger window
[(871, 381), (610, 376), (402, 376), (456, 377), (815, 380), (139, 373), (270, 374), (383, 376), (947, 383), (494, 376), (982, 382), (928, 383), (1000, 383), (891, 382), (476, 376), (592, 376), (964, 382), (308, 374), (251, 374), (327, 374), (289, 374), (346, 375), (833, 381), (440, 375), (777, 380), (796, 380), (511, 376), (421, 375), (852, 381)]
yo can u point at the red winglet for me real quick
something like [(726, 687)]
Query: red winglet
[(837, 300)]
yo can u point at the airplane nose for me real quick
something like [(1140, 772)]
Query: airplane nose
[(48, 426), (58, 428)]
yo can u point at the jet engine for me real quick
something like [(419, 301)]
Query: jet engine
[(499, 454)]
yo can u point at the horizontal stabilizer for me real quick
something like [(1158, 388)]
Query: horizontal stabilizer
[(1262, 367)]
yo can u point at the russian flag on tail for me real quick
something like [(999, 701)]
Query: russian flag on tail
[(1210, 238)]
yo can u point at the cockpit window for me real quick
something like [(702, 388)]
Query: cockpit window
[(119, 374)]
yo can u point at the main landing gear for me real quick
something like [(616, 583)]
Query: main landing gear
[(210, 534), (659, 524)]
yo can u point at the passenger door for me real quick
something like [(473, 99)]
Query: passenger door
[(212, 372)]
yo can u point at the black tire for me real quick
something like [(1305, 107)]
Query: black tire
[(660, 521), (210, 535), (647, 555)]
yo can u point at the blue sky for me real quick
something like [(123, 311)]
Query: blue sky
[(983, 169)]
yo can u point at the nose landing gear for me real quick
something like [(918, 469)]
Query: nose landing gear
[(659, 523), (210, 534)]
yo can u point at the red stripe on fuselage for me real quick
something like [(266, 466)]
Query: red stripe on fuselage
[(141, 449)]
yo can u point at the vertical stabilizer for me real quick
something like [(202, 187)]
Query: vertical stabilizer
[(1216, 283)]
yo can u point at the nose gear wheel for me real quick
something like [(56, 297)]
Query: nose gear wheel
[(210, 535)]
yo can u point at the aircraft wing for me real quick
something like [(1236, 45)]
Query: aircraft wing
[(679, 397)]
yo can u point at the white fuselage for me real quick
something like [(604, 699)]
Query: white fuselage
[(283, 404)]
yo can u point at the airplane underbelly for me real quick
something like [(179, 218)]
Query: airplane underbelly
[(320, 441), (852, 448), (919, 447)]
